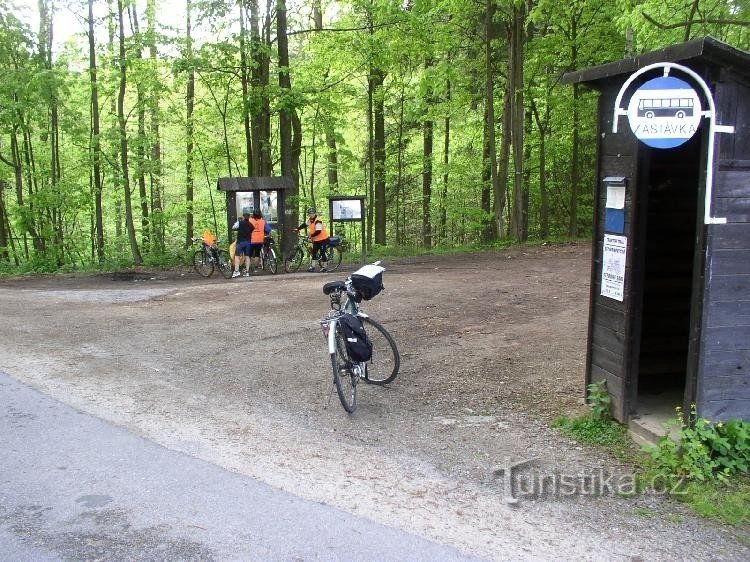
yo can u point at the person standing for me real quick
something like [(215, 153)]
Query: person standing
[(244, 234), (319, 237), (257, 237)]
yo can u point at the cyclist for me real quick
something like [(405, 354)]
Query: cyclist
[(257, 236), (320, 238), (244, 234), (210, 241)]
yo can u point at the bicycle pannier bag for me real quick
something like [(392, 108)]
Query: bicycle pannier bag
[(334, 241), (368, 281), (358, 345)]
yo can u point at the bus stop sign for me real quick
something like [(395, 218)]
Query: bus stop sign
[(664, 112)]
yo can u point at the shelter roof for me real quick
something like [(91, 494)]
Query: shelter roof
[(705, 49), (270, 183)]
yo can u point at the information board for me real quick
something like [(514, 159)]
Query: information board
[(347, 209), (613, 266)]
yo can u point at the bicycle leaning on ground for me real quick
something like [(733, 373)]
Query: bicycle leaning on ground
[(302, 253), (209, 257), (350, 332)]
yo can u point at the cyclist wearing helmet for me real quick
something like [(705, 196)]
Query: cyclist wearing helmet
[(319, 236)]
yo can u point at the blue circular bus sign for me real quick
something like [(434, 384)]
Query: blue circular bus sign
[(664, 112)]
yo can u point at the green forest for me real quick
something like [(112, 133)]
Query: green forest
[(117, 117)]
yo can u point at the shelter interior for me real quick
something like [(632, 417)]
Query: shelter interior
[(671, 179)]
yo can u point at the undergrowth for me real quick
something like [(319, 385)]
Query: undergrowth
[(706, 467)]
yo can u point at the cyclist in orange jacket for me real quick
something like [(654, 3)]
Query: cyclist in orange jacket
[(257, 236), (320, 238)]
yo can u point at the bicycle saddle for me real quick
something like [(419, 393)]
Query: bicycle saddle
[(328, 288)]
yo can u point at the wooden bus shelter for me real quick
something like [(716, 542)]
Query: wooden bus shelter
[(669, 315), (265, 193)]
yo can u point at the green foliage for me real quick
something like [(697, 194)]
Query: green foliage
[(703, 450), (600, 400), (431, 57), (727, 501), (600, 432)]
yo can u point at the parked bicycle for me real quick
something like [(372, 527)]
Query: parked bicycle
[(360, 347), (209, 257), (268, 256), (302, 253)]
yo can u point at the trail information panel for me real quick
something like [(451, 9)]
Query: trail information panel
[(613, 266)]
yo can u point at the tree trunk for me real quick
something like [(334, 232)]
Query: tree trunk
[(245, 81), (378, 78), (140, 147), (289, 135), (400, 189), (446, 161), (574, 171), (129, 225), (114, 131), (33, 225), (489, 164), (155, 169), (189, 106), (517, 124), (96, 139), (3, 233), (503, 165), (427, 146), (370, 163), (55, 217), (543, 127)]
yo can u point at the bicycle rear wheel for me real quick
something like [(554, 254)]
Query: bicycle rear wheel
[(270, 259), (292, 263), (334, 258), (225, 264), (202, 263), (383, 367), (343, 375)]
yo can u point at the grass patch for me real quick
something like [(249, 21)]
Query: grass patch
[(728, 502), (603, 433)]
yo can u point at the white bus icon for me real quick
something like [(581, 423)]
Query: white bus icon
[(665, 107)]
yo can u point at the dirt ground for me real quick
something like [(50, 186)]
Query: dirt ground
[(237, 373)]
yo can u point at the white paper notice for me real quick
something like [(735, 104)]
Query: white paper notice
[(613, 266), (615, 197)]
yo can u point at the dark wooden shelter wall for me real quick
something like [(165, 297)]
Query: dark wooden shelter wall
[(723, 390), (608, 350)]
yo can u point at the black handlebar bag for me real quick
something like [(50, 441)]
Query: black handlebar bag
[(368, 281)]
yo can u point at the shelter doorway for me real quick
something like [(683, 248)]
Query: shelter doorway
[(669, 214)]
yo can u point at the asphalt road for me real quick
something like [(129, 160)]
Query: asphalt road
[(73, 487)]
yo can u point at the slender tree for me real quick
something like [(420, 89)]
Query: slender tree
[(129, 224), (189, 127), (96, 148), (155, 168)]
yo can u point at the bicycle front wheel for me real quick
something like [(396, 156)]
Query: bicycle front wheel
[(202, 263), (383, 367), (225, 264), (270, 258), (292, 263), (343, 375), (334, 258)]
